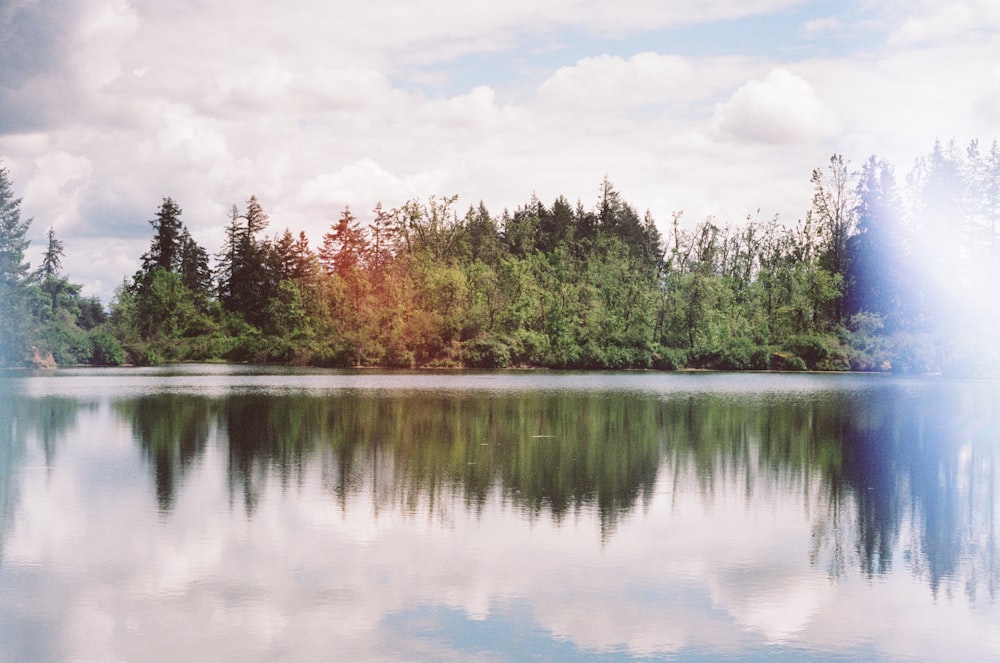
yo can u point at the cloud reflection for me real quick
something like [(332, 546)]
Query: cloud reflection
[(394, 525)]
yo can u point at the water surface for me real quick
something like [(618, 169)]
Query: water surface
[(240, 513)]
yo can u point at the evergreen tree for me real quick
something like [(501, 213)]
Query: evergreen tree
[(482, 235), (345, 246), (256, 220), (556, 227), (246, 279), (52, 260), (380, 246), (165, 249), (873, 281), (305, 258), (14, 277), (284, 250), (228, 258), (195, 273)]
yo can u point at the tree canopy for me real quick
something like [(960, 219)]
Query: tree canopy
[(875, 276)]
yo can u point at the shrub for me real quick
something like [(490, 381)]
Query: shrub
[(784, 361), (143, 354), (247, 347), (820, 352), (399, 357), (741, 353), (796, 363), (486, 352), (528, 347), (106, 350), (669, 359)]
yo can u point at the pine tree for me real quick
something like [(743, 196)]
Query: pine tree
[(52, 260), (345, 246), (14, 277), (193, 267), (166, 246), (246, 279), (873, 281)]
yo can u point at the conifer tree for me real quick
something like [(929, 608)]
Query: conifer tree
[(166, 245), (14, 277), (345, 246), (52, 260)]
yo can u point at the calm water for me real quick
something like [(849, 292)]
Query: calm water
[(232, 513)]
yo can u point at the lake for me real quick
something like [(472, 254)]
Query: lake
[(234, 513)]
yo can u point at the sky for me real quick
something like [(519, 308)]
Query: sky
[(709, 107)]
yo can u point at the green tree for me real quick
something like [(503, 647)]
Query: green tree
[(246, 278), (345, 246), (874, 280), (380, 231), (14, 274), (165, 249), (52, 259), (835, 209), (193, 268)]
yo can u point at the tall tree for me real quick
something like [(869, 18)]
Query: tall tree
[(835, 209), (193, 267), (247, 281), (345, 246), (166, 245), (873, 280), (52, 259), (14, 278), (380, 230), (284, 250)]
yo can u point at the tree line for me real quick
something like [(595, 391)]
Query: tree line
[(878, 275)]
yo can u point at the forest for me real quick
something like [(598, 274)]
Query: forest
[(879, 275)]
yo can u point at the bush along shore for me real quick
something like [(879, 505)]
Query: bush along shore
[(867, 280)]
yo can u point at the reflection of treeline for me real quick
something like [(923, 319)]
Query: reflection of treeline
[(871, 465), (919, 475), (23, 421), (554, 453), (172, 430)]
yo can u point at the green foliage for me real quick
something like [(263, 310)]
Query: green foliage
[(868, 349), (249, 346), (787, 362), (669, 359), (742, 353), (486, 352), (14, 278), (105, 350), (819, 352), (544, 285)]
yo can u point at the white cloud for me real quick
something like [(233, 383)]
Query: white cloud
[(938, 21), (820, 26), (612, 82), (58, 184), (781, 108), (361, 185), (106, 28), (210, 102)]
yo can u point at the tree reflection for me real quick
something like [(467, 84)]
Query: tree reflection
[(887, 474), (556, 453), (24, 422), (172, 430)]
